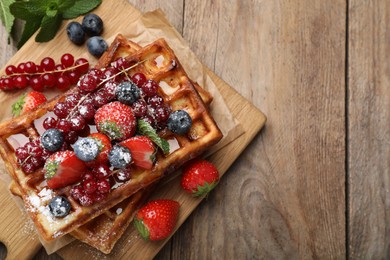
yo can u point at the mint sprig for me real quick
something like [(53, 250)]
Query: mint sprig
[(46, 15), (144, 128)]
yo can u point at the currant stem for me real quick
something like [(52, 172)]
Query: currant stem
[(45, 72)]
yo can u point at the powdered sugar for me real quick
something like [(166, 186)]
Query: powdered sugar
[(119, 211)]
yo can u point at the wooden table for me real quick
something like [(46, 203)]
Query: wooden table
[(316, 182)]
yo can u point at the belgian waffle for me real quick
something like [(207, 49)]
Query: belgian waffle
[(178, 92)]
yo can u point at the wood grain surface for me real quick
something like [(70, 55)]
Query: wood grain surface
[(369, 129), (315, 183)]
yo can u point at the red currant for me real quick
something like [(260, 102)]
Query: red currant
[(139, 79), (30, 67), (82, 64), (87, 111), (150, 88), (72, 99), (28, 167), (102, 171), (78, 123), (139, 108), (64, 125), (49, 122), (71, 137), (77, 191), (90, 186), (11, 69), (99, 99), (67, 60), (86, 200), (48, 80), (155, 101), (88, 83), (36, 83), (103, 186), (48, 64), (21, 67), (73, 77), (109, 90), (123, 175), (63, 82), (21, 153), (20, 81), (88, 176), (61, 110), (162, 113), (120, 64), (8, 83)]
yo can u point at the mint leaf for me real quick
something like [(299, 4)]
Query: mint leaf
[(30, 28), (26, 10), (81, 7), (5, 15), (65, 4), (144, 128), (49, 28)]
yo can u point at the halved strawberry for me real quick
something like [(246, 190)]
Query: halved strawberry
[(62, 169), (142, 151), (27, 102), (104, 144)]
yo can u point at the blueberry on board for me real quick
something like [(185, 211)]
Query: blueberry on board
[(92, 24), (127, 92), (52, 139), (75, 33), (119, 156), (59, 206), (86, 149), (97, 46), (179, 122)]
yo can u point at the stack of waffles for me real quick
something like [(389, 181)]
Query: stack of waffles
[(103, 223)]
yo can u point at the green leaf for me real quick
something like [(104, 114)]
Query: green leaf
[(144, 128), (65, 4), (30, 28), (50, 169), (17, 107), (49, 28), (142, 229), (28, 10), (81, 7), (5, 14)]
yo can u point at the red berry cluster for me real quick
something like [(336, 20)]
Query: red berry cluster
[(97, 183), (31, 156), (47, 74)]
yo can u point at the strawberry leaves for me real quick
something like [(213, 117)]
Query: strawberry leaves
[(44, 15), (17, 107)]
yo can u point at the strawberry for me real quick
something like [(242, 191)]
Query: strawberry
[(27, 102), (104, 144), (142, 151), (63, 168), (157, 219), (116, 120), (199, 177)]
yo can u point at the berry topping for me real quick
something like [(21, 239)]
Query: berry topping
[(139, 79), (59, 206), (150, 88), (75, 33), (139, 108), (97, 46), (103, 186), (179, 122), (116, 120), (142, 151), (157, 219), (123, 175), (104, 145), (86, 149), (92, 24), (52, 139), (101, 171), (88, 83), (62, 169), (127, 92), (90, 186), (199, 177), (28, 102), (119, 157)]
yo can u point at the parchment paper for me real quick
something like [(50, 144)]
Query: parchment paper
[(143, 30)]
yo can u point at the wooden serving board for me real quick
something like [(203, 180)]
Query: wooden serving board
[(22, 242)]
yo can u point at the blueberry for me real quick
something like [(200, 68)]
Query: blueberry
[(92, 25), (52, 139), (96, 46), (119, 156), (86, 149), (179, 122), (75, 33), (127, 92), (59, 206)]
